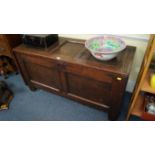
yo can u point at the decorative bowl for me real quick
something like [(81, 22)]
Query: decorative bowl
[(105, 47)]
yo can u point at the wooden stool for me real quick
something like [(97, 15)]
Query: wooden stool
[(6, 96)]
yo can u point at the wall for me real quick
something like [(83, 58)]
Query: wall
[(138, 40)]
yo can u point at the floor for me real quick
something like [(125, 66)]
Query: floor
[(44, 106)]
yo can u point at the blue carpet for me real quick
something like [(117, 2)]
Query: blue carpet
[(44, 106)]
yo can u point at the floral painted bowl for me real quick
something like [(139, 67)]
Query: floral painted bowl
[(105, 47)]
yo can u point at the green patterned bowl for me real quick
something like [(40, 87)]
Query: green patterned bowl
[(105, 47)]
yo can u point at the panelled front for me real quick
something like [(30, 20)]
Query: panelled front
[(82, 83), (79, 81), (88, 89)]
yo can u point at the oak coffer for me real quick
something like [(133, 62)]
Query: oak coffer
[(68, 69)]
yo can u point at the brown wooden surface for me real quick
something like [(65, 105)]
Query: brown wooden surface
[(73, 52), (68, 69)]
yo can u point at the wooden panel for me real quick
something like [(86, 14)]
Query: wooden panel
[(68, 50), (43, 75), (88, 88), (119, 65), (88, 72), (40, 61)]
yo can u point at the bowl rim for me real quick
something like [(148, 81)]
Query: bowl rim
[(112, 36)]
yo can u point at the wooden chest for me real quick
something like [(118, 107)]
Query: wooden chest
[(68, 69)]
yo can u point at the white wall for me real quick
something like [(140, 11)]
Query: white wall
[(138, 40)]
